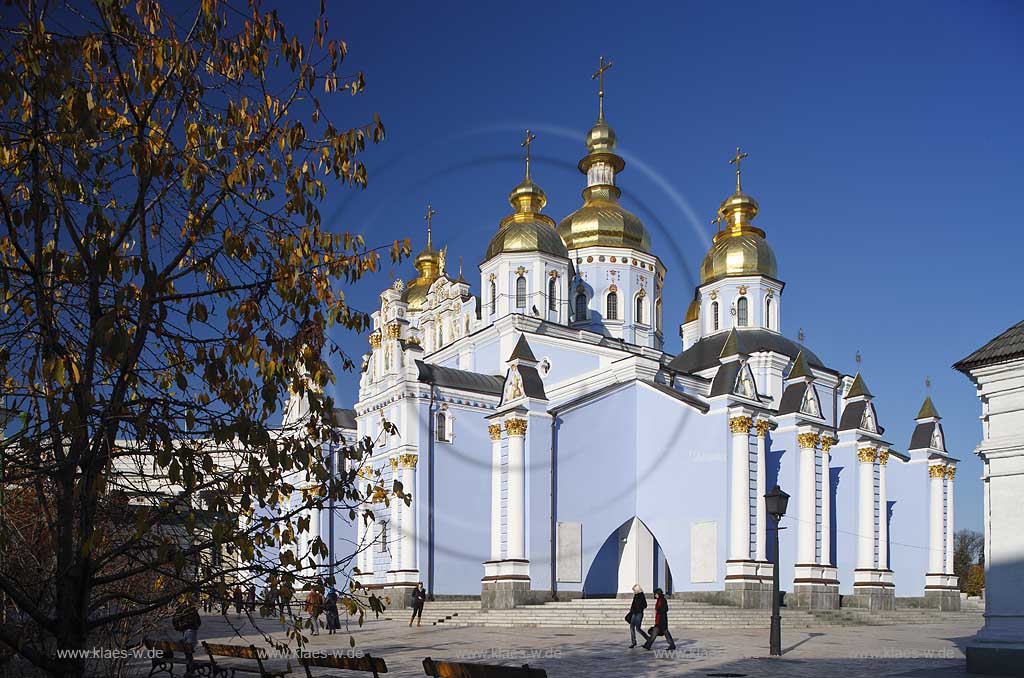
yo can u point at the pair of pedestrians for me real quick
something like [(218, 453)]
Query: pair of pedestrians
[(635, 618)]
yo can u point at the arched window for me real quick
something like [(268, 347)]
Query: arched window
[(714, 316), (657, 313), (581, 307), (741, 312), (494, 298), (768, 313), (441, 427), (521, 292), (612, 310), (639, 319), (552, 295)]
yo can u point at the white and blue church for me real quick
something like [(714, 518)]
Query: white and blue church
[(553, 449)]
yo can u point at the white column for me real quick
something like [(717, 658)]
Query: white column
[(883, 512), (807, 528), (394, 542), (495, 431), (936, 550), (762, 532), (950, 472), (739, 512), (516, 429), (866, 508), (363, 560), (409, 555), (826, 500)]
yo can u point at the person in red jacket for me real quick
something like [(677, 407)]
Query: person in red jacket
[(660, 627)]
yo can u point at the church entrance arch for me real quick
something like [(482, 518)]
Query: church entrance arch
[(630, 555)]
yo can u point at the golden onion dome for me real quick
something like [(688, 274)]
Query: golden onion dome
[(739, 248), (692, 311), (526, 229), (428, 264), (602, 221)]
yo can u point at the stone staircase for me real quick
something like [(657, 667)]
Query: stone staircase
[(609, 613)]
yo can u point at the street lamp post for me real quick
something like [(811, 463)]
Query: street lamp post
[(775, 503)]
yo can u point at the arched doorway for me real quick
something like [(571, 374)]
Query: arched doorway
[(630, 555)]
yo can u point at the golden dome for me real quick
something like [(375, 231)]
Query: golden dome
[(526, 229), (428, 264), (692, 311), (739, 248), (602, 221)]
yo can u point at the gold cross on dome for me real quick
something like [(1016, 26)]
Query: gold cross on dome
[(736, 161), (526, 144), (599, 76), (430, 215), (928, 384)]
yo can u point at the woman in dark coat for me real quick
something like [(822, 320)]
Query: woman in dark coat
[(331, 607), (419, 596), (636, 615), (660, 627)]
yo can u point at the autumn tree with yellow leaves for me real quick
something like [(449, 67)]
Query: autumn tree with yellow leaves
[(166, 282)]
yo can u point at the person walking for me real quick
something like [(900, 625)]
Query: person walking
[(660, 627), (331, 608), (419, 596), (251, 599), (635, 617), (187, 620), (238, 601), (314, 604)]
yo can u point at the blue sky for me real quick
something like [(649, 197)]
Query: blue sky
[(886, 151)]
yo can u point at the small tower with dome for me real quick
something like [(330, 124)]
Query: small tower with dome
[(526, 268)]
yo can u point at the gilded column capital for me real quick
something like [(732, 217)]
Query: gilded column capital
[(495, 431), (866, 455), (762, 426), (394, 463), (394, 331), (375, 339), (883, 457), (408, 460), (516, 427), (365, 472), (950, 472), (808, 441), (740, 424), (937, 471), (827, 442)]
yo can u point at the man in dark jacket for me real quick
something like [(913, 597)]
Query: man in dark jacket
[(636, 615), (660, 627)]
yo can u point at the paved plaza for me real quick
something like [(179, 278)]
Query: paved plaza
[(893, 650)]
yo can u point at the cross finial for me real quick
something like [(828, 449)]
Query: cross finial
[(430, 215), (736, 161), (599, 76), (460, 267), (526, 144), (800, 335), (717, 221), (858, 359), (928, 385)]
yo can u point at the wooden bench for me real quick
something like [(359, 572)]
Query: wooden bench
[(439, 669), (374, 665), (248, 652), (170, 653)]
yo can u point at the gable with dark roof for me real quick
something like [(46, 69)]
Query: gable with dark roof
[(853, 415), (462, 380), (1007, 346), (792, 399), (725, 378), (705, 353), (921, 439)]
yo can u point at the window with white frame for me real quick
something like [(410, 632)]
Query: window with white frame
[(612, 306), (768, 312), (443, 426), (714, 316), (521, 291), (552, 294), (639, 314), (494, 298), (742, 312), (581, 306)]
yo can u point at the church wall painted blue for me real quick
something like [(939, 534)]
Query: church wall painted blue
[(845, 464), (908, 524)]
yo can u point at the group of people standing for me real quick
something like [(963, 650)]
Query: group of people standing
[(316, 605), (635, 618)]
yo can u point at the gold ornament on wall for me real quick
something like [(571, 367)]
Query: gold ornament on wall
[(394, 463), (866, 454), (375, 340), (394, 331), (743, 289), (808, 441), (740, 424), (516, 427)]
